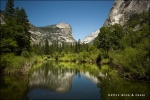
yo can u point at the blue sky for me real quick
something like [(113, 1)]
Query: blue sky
[(85, 17)]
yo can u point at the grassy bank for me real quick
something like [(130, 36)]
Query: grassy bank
[(18, 65), (94, 56)]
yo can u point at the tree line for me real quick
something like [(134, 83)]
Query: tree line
[(15, 35)]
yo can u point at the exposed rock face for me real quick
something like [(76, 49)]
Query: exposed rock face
[(2, 19), (37, 35), (123, 9), (63, 25), (61, 32), (91, 37)]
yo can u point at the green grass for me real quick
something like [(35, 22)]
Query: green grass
[(12, 64)]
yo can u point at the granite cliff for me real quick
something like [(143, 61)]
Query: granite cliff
[(123, 9), (61, 32)]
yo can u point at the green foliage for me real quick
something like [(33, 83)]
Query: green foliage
[(134, 20), (11, 85), (105, 68), (9, 8), (46, 47), (105, 61), (131, 61), (26, 54), (138, 19), (109, 37), (14, 34), (15, 40), (12, 63), (127, 48), (8, 45)]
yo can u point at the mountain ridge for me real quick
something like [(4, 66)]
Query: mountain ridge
[(60, 32), (90, 37)]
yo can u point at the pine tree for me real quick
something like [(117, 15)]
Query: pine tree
[(17, 15), (15, 32), (46, 47), (9, 8), (22, 20)]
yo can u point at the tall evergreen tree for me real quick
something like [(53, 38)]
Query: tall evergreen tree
[(46, 47), (9, 8), (17, 15), (24, 37)]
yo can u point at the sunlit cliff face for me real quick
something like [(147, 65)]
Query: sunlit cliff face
[(61, 32), (122, 9), (90, 37)]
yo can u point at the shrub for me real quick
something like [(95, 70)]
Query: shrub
[(11, 63), (26, 54), (130, 61)]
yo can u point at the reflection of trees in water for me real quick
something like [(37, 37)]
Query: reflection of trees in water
[(13, 88), (116, 85), (53, 78), (57, 77)]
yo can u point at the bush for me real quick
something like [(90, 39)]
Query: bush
[(12, 63), (7, 59), (26, 54), (130, 61)]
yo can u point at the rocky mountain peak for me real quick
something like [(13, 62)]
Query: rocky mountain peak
[(61, 32), (90, 37), (63, 25), (123, 9)]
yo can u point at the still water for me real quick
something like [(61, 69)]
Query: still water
[(55, 80)]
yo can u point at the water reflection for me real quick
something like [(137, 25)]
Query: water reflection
[(54, 78), (13, 88), (92, 78), (85, 81), (118, 88)]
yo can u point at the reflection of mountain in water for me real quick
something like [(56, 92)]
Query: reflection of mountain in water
[(56, 78), (90, 77), (59, 80)]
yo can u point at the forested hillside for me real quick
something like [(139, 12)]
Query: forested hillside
[(128, 47)]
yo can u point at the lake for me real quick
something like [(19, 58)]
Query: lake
[(60, 80)]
